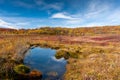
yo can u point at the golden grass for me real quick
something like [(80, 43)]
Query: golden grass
[(94, 67), (100, 63), (85, 61)]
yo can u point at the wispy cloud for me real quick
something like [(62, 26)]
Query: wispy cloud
[(101, 13), (56, 6), (62, 15), (24, 22), (23, 4), (5, 24), (97, 14), (40, 4), (114, 16), (13, 22), (96, 8)]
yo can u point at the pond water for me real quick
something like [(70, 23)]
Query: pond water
[(43, 59)]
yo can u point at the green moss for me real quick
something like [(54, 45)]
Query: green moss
[(21, 69), (66, 53), (60, 53)]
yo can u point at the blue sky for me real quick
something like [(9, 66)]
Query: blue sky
[(58, 13)]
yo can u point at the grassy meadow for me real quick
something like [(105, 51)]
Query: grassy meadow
[(92, 53)]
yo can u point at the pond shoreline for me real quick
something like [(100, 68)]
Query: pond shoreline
[(46, 58), (32, 46)]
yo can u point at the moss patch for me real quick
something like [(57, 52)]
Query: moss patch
[(21, 69)]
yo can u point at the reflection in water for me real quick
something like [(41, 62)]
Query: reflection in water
[(43, 60)]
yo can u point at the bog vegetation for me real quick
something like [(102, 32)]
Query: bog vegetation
[(92, 53), (65, 31)]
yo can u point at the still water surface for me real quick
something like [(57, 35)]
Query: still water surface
[(43, 59)]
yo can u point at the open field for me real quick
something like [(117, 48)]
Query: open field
[(90, 57)]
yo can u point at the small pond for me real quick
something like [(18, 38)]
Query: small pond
[(43, 59)]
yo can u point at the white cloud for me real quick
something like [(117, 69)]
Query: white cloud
[(97, 14), (94, 13), (102, 13), (6, 24), (114, 16), (24, 22), (62, 16), (97, 9)]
